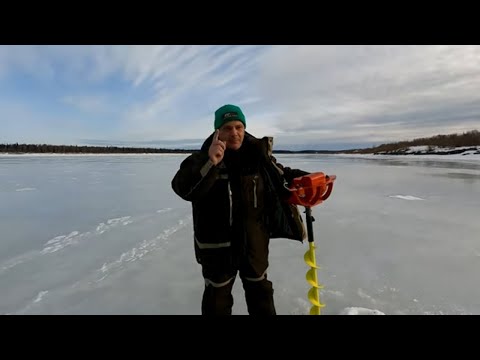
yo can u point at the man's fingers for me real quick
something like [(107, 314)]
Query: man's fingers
[(217, 141), (217, 148)]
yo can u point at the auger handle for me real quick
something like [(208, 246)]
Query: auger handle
[(330, 179), (312, 189)]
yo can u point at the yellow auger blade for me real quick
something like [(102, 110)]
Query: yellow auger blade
[(312, 279), (315, 310), (311, 276), (309, 256)]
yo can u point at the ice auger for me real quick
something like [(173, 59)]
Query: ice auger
[(308, 191)]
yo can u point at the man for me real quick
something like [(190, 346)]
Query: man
[(238, 193)]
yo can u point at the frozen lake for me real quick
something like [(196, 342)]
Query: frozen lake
[(107, 235)]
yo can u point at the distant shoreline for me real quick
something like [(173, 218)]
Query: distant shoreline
[(414, 150), (452, 144), (419, 151), (467, 153)]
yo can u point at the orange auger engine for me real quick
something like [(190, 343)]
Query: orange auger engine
[(311, 189), (308, 191)]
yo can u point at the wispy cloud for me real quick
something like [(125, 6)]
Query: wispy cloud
[(412, 90), (318, 95), (88, 103)]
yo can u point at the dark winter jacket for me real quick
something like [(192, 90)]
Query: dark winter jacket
[(239, 199)]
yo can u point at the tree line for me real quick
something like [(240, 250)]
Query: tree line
[(469, 138), (62, 149)]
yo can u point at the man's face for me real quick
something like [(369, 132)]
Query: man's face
[(232, 133)]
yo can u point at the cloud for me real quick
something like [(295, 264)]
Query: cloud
[(342, 90), (88, 103), (299, 94), (188, 84)]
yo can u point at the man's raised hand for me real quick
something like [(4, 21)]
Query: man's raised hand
[(217, 149)]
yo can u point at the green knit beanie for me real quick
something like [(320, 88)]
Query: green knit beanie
[(228, 113)]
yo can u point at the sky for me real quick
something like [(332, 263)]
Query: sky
[(305, 96)]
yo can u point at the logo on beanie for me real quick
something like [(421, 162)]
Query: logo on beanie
[(230, 115)]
